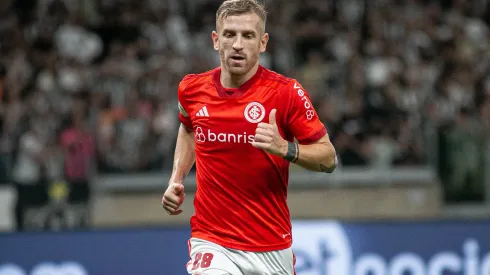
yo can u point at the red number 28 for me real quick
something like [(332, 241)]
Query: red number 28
[(202, 260)]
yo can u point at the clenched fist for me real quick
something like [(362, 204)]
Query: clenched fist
[(267, 137), (173, 198)]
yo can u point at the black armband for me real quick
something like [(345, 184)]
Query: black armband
[(293, 152)]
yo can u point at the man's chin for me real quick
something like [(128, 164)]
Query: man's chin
[(237, 70)]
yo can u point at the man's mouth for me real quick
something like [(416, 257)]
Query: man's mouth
[(237, 57)]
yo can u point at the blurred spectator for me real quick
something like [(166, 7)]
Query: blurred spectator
[(27, 173), (75, 42), (127, 147), (464, 180), (4, 154), (79, 150)]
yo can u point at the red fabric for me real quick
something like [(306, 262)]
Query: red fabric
[(240, 201), (294, 263), (79, 149)]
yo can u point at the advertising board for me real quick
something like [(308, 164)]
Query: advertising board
[(321, 248)]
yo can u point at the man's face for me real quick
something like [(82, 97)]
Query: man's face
[(239, 41)]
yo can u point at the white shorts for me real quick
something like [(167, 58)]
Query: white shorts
[(208, 258)]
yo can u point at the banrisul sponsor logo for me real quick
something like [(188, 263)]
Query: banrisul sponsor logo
[(207, 135)]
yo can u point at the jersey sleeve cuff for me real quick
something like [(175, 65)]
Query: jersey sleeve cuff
[(186, 121), (315, 137)]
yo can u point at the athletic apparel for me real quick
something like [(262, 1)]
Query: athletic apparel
[(207, 258), (240, 201)]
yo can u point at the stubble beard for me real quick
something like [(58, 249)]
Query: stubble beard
[(249, 61)]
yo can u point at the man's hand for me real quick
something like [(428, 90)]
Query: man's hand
[(173, 198), (267, 137)]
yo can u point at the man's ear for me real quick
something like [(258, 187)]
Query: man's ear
[(214, 36), (263, 42)]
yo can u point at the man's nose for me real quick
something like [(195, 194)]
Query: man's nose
[(238, 45)]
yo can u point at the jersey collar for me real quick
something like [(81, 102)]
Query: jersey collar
[(234, 92)]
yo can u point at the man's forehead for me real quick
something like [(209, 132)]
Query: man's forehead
[(241, 22)]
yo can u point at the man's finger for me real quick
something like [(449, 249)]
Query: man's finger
[(170, 197), (178, 189), (262, 131), (265, 132), (170, 204), (263, 125), (169, 209), (173, 198), (172, 211), (261, 145), (262, 138), (272, 117), (177, 212)]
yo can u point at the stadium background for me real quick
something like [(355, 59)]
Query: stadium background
[(88, 118)]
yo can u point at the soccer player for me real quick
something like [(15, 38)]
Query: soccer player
[(238, 125)]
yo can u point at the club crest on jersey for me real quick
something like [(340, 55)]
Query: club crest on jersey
[(254, 112)]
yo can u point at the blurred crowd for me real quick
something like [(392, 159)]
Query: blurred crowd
[(90, 85)]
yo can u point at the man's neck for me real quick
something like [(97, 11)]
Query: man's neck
[(235, 81)]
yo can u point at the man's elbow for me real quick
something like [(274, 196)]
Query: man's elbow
[(329, 162)]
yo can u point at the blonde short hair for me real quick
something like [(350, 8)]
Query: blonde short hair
[(238, 7)]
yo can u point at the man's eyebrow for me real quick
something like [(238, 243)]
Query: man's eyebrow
[(243, 31)]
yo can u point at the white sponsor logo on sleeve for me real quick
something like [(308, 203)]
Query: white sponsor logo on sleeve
[(310, 113)]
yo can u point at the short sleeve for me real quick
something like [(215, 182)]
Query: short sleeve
[(302, 119), (183, 108)]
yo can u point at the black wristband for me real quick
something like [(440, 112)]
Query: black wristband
[(293, 152)]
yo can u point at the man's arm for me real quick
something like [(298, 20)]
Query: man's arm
[(184, 156), (184, 159), (319, 156)]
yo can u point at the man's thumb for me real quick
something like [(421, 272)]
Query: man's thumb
[(178, 189), (272, 117)]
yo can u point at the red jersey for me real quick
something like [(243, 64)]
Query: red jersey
[(240, 202)]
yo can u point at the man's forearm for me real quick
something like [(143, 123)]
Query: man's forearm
[(319, 157), (185, 155)]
